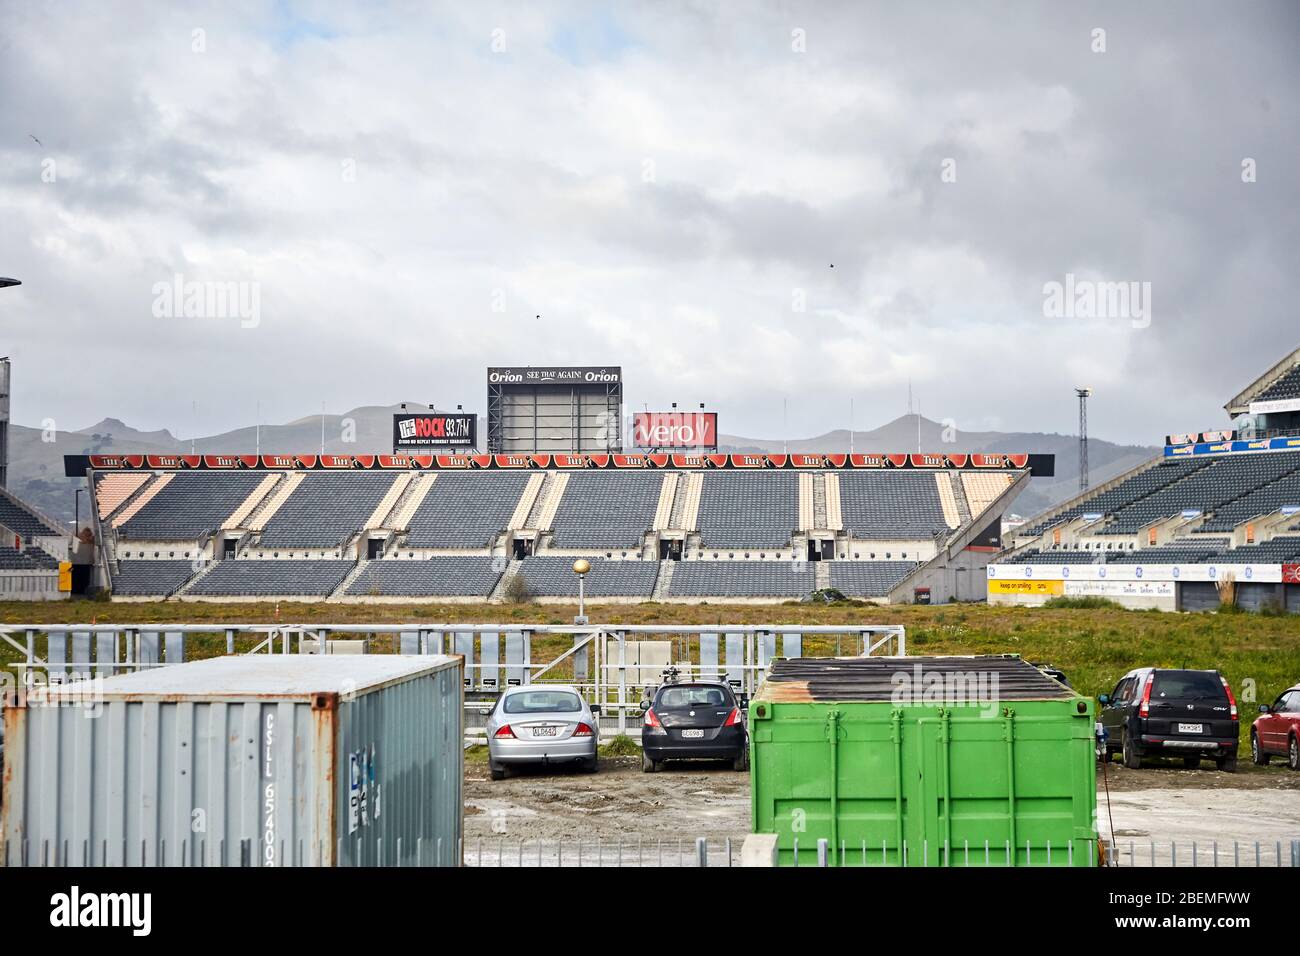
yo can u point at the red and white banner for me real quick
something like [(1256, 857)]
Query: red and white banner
[(675, 429)]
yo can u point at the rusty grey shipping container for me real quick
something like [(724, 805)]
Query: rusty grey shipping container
[(259, 760)]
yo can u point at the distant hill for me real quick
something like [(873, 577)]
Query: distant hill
[(36, 464)]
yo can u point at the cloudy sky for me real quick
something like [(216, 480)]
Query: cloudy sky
[(739, 204)]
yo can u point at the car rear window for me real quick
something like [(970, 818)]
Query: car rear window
[(542, 702), (1187, 685), (680, 698)]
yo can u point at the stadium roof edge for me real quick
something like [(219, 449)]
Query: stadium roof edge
[(1239, 404), (1038, 465)]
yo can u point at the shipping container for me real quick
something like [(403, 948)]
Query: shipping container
[(256, 760), (923, 761)]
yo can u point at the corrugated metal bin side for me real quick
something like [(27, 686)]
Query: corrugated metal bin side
[(382, 737), (942, 779), (149, 776)]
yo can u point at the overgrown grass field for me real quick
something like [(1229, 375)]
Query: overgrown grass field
[(1094, 646)]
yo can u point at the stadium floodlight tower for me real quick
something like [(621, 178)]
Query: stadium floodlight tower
[(1084, 394), (580, 568)]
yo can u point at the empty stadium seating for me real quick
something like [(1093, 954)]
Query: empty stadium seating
[(325, 510), (150, 578), (22, 521), (601, 510), (1206, 490), (1124, 494), (1288, 386), (868, 579), (272, 578), (442, 576), (554, 577), (758, 579), (12, 559), (740, 510), (1178, 552), (465, 510), (891, 505), (189, 506)]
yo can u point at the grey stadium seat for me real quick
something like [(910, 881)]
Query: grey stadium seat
[(251, 578), (190, 506), (553, 577), (742, 510), (465, 510), (611, 511), (325, 510), (741, 579), (443, 576)]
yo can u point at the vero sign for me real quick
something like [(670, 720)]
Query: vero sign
[(675, 429)]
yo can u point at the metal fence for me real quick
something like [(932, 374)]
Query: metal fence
[(1212, 853), (660, 852), (682, 852)]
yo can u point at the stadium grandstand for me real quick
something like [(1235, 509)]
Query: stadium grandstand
[(35, 553), (1214, 519), (474, 528)]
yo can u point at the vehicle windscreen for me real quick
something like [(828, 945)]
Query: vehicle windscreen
[(1187, 685), (683, 698), (542, 702)]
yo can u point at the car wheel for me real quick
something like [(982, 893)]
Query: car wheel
[(591, 765), (1293, 753), (1191, 763), (741, 761), (496, 771), (1257, 756), (1132, 759), (648, 765), (1227, 764)]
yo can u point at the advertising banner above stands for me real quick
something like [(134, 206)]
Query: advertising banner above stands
[(675, 429), (1240, 573), (76, 466), (431, 430), (1291, 443), (529, 375), (1274, 406), (1193, 438)]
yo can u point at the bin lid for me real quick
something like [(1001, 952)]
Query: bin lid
[(275, 676), (933, 679)]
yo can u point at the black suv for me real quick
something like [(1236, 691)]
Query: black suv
[(1171, 713), (693, 720)]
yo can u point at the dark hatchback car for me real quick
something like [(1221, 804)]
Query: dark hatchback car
[(1154, 712), (697, 720)]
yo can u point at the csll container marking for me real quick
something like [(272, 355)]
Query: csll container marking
[(268, 793)]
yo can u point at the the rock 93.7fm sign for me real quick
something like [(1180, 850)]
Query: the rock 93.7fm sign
[(435, 430)]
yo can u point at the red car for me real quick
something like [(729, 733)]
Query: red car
[(1277, 729)]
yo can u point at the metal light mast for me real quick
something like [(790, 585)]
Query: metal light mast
[(1084, 394)]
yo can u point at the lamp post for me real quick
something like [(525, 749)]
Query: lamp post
[(580, 568)]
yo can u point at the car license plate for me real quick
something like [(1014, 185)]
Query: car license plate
[(692, 734), (544, 731), (1189, 728)]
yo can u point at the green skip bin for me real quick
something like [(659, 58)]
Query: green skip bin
[(923, 761)]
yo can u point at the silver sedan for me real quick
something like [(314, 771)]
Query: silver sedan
[(541, 724)]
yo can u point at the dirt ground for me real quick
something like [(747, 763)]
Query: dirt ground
[(685, 801)]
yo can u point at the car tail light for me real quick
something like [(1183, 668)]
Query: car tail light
[(652, 723), (1232, 700), (582, 730), (1145, 709), (504, 731), (733, 718)]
